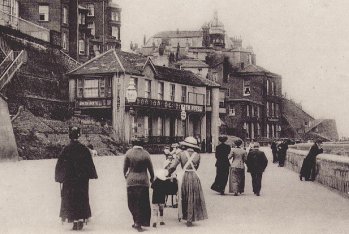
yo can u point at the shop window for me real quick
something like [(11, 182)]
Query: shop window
[(43, 13), (246, 88)]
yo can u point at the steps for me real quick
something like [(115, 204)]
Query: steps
[(19, 59)]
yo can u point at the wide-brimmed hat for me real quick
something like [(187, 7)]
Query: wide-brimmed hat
[(161, 174), (190, 142), (222, 138), (174, 145)]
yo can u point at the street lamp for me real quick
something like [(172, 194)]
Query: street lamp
[(131, 96), (244, 133)]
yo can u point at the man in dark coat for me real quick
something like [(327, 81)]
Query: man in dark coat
[(282, 151), (308, 170), (256, 163), (74, 168), (274, 151), (222, 166)]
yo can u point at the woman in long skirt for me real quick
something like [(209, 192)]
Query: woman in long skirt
[(192, 205), (237, 169)]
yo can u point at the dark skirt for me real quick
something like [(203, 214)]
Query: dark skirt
[(192, 198), (75, 200), (236, 180), (139, 204), (308, 169)]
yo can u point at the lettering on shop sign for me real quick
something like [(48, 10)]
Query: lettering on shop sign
[(94, 103), (273, 119), (169, 105)]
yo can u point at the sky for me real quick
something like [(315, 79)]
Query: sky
[(304, 41)]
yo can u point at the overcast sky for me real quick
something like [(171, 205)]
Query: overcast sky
[(305, 41)]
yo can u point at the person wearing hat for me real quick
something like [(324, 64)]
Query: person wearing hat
[(191, 204), (237, 168), (256, 163), (137, 164), (282, 151), (222, 165), (159, 193), (74, 169), (308, 170)]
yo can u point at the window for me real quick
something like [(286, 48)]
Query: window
[(258, 111), (135, 81), (91, 10), (102, 88), (258, 129), (80, 88), (208, 97), (227, 92), (92, 26), (247, 110), (272, 109), (267, 108), (267, 131), (81, 18), (91, 88), (173, 92), (81, 46), (215, 76), (64, 41), (231, 111), (161, 90), (43, 12), (147, 89), (184, 94), (108, 86), (252, 111), (247, 89), (267, 87), (272, 88), (161, 123), (115, 32), (65, 15), (221, 98), (114, 16)]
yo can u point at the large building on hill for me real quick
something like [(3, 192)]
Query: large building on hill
[(81, 28), (99, 86)]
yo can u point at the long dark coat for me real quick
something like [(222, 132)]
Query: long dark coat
[(256, 161), (282, 150), (74, 168), (222, 165), (309, 163)]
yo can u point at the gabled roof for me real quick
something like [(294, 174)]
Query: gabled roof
[(251, 68), (112, 61), (176, 34), (180, 76), (189, 63)]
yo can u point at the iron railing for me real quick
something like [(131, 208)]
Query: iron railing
[(24, 26), (5, 63), (11, 70), (4, 47)]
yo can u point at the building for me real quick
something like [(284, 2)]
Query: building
[(104, 20), (171, 103), (81, 28)]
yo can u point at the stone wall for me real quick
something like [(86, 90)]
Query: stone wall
[(332, 170)]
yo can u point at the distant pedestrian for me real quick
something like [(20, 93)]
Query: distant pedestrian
[(74, 168), (191, 205), (308, 170), (256, 163), (237, 169), (203, 146), (273, 147), (92, 150), (222, 165), (282, 152), (137, 164), (158, 199)]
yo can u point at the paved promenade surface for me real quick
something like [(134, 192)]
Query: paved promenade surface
[(29, 202)]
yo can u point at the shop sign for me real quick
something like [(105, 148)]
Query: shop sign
[(169, 105), (94, 103)]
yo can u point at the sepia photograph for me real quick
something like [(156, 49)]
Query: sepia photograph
[(174, 116)]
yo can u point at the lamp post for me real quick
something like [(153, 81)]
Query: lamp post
[(131, 96), (244, 127)]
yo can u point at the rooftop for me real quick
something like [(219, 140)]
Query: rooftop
[(176, 34)]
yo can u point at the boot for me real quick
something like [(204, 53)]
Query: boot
[(75, 226), (80, 225)]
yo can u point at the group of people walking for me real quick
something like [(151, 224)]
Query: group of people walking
[(75, 168), (279, 151), (230, 165)]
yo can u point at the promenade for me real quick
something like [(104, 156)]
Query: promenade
[(30, 201)]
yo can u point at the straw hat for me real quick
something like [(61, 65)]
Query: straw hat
[(161, 174), (190, 142)]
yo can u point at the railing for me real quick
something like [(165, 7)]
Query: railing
[(3, 46), (70, 59), (8, 59), (163, 139), (24, 26), (17, 63)]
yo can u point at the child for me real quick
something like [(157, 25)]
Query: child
[(158, 200)]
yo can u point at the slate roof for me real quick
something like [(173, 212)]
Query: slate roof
[(110, 62), (176, 34), (251, 68), (181, 77), (185, 63)]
